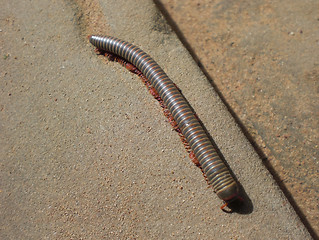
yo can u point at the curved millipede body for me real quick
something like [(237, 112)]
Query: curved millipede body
[(215, 170)]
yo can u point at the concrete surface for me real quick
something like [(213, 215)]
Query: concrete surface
[(263, 58), (87, 153)]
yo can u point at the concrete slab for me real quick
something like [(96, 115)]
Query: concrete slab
[(86, 152), (262, 56)]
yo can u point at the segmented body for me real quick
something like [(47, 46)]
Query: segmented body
[(215, 170)]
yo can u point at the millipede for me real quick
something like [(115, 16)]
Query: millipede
[(178, 111)]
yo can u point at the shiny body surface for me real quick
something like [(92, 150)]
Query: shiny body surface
[(215, 170)]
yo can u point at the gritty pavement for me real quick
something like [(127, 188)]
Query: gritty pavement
[(86, 152), (262, 56)]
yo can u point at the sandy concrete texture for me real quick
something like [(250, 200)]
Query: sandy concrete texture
[(86, 152), (263, 58)]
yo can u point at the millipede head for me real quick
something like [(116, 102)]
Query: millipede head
[(232, 204), (231, 197)]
